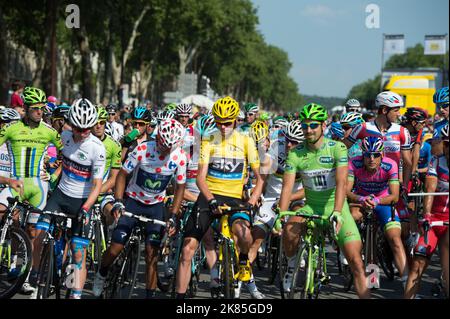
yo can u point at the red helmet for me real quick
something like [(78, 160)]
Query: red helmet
[(416, 114)]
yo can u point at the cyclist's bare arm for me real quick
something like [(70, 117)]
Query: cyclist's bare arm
[(415, 157), (178, 198), (341, 182), (96, 186), (352, 197), (407, 166), (430, 187), (111, 181), (300, 194), (188, 196), (120, 184), (201, 181), (288, 184), (394, 193), (257, 190)]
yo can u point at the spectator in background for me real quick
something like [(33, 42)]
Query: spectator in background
[(16, 99)]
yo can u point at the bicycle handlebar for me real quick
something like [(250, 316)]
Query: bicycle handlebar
[(427, 194), (144, 219), (426, 225)]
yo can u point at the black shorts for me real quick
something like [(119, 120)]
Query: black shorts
[(198, 230)]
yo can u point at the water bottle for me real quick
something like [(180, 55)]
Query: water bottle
[(131, 136)]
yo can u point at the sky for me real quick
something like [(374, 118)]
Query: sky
[(329, 45)]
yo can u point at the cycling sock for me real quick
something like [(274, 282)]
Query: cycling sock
[(243, 259), (251, 285), (214, 272), (180, 296), (75, 294), (103, 271), (150, 293)]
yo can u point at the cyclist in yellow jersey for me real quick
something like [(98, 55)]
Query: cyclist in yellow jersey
[(224, 157)]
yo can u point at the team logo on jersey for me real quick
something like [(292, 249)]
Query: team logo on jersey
[(172, 165), (150, 184), (326, 159), (81, 156), (129, 165)]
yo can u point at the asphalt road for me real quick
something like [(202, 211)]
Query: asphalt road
[(334, 290)]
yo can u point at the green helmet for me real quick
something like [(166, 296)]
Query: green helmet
[(102, 113), (251, 107), (171, 107), (33, 95), (264, 116), (314, 112)]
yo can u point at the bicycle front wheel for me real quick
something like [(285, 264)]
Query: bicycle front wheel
[(303, 274), (46, 271), (227, 273), (15, 262)]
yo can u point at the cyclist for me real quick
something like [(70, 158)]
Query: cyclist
[(7, 115), (251, 114), (59, 118), (117, 128), (353, 105), (240, 120), (348, 122), (141, 118), (414, 121), (425, 156), (113, 162), (440, 98), (78, 189), (220, 178), (183, 113), (323, 167), (434, 209), (153, 164), (373, 184)]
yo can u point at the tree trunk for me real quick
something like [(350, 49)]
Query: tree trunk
[(107, 79), (186, 57), (86, 67), (4, 63)]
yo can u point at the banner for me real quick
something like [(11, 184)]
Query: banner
[(435, 44), (394, 44)]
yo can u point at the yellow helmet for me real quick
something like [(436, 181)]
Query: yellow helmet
[(225, 109), (259, 131), (427, 136)]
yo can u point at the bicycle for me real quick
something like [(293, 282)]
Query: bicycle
[(309, 280), (15, 250), (227, 259), (98, 243), (121, 278), (54, 266)]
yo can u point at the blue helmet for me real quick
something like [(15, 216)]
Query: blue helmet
[(372, 144), (352, 119), (206, 125), (441, 96), (337, 131), (61, 111), (141, 113)]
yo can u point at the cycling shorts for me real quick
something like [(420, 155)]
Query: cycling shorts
[(434, 236), (384, 217), (265, 219), (197, 228), (60, 202), (34, 191), (153, 232), (348, 232)]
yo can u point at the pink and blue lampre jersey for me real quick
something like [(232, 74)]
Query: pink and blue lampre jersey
[(377, 183), (439, 168), (396, 139)]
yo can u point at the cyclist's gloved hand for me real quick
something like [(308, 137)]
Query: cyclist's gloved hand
[(83, 215), (172, 225), (117, 209), (336, 216), (337, 132), (214, 206)]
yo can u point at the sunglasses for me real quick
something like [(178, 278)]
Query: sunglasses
[(226, 124), (35, 108), (240, 120), (443, 106), (139, 123), (251, 114), (312, 125), (80, 130), (374, 154), (102, 122), (276, 126)]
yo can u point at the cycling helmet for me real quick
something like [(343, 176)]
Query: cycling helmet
[(372, 144), (426, 136), (264, 116), (111, 108), (83, 114), (164, 115), (294, 132), (153, 119), (259, 131), (32, 95), (49, 108), (314, 112), (206, 125), (52, 99), (281, 121), (353, 105), (251, 107), (61, 112), (337, 131), (171, 107), (352, 119), (241, 115), (444, 133), (8, 115), (141, 113), (441, 96), (109, 130), (416, 114), (102, 114), (225, 109), (171, 133), (389, 99), (184, 109)]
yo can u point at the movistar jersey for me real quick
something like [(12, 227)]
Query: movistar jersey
[(113, 156), (28, 146), (317, 169), (227, 159)]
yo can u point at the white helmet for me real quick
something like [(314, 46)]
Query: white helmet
[(8, 115), (184, 109), (389, 99), (241, 115), (353, 105), (164, 115), (171, 133), (294, 131), (108, 129), (83, 113)]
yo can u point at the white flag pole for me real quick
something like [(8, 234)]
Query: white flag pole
[(382, 60)]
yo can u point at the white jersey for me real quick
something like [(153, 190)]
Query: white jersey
[(277, 154), (82, 162), (192, 168), (117, 130), (5, 162), (152, 172)]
